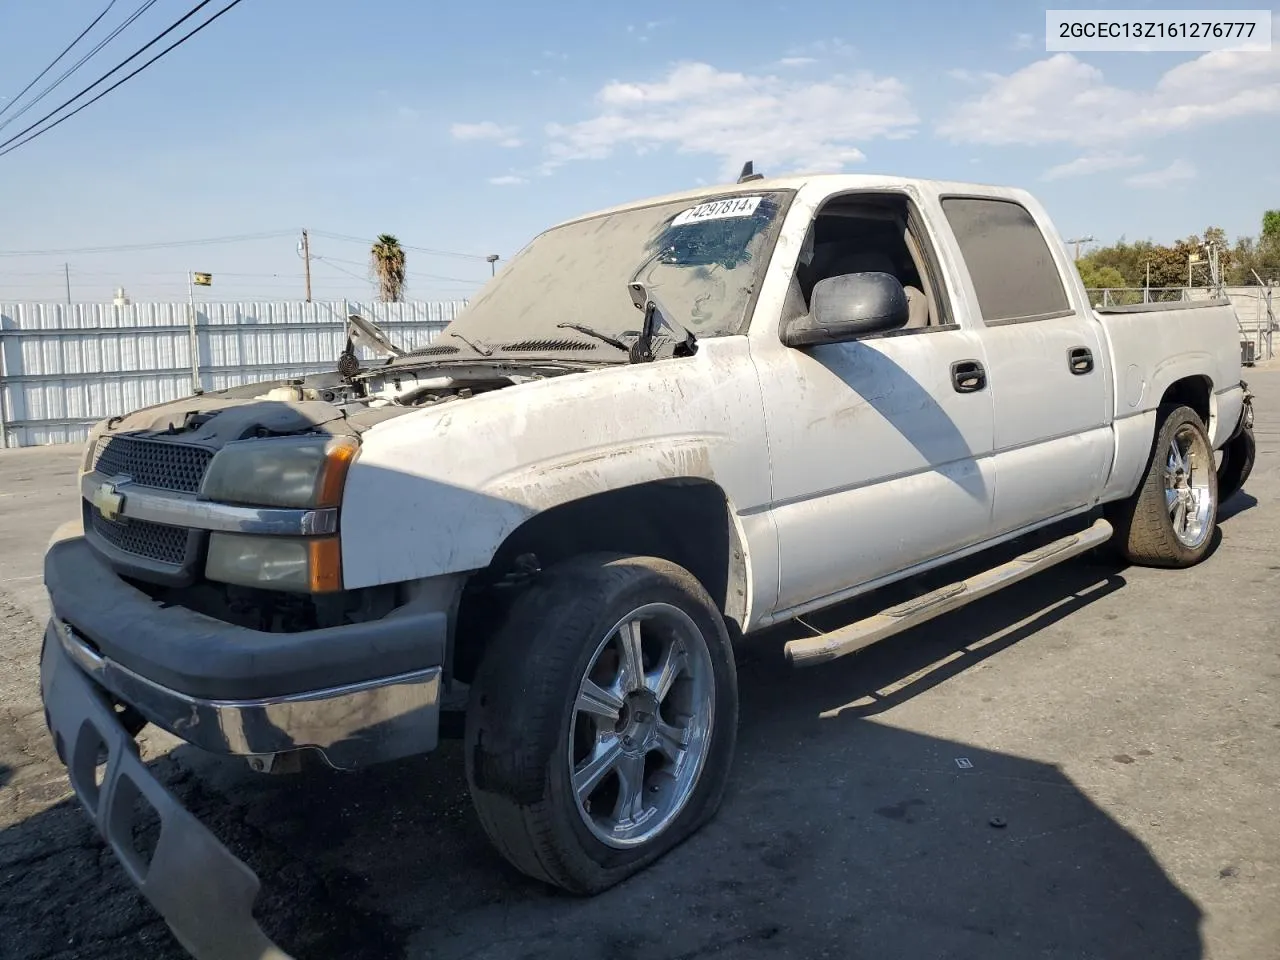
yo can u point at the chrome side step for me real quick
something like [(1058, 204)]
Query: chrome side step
[(807, 651)]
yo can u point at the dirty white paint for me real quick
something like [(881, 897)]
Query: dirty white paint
[(450, 482), (845, 465)]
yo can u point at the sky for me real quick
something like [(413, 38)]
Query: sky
[(464, 129)]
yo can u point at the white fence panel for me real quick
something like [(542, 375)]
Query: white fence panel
[(63, 367)]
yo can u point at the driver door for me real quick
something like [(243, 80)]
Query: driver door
[(880, 450)]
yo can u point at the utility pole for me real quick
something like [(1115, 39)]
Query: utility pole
[(1079, 240), (306, 256), (193, 344), (66, 272)]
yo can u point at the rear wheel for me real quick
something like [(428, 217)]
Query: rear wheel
[(602, 720), (1170, 521)]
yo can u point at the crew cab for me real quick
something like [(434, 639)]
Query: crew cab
[(660, 428)]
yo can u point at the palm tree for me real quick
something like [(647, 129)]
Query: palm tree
[(387, 264)]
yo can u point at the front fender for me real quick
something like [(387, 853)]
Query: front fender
[(439, 490)]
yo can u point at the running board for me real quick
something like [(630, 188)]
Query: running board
[(808, 651)]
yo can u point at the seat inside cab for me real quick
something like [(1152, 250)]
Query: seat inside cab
[(860, 235)]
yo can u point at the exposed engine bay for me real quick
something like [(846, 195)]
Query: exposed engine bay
[(348, 400), (378, 391)]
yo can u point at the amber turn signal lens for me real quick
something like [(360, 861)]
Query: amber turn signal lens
[(325, 567), (338, 456)]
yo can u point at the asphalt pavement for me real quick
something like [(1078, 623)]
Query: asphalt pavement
[(1086, 765)]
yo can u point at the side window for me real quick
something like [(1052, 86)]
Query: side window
[(1009, 261), (854, 233)]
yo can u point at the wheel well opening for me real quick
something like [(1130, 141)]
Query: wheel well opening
[(685, 521), (1193, 392)]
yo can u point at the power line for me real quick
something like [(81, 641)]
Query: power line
[(158, 245), (119, 66), (412, 273), (365, 241), (206, 241), (79, 63), (329, 263), (177, 43), (65, 50)]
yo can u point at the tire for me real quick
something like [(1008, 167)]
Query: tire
[(528, 738), (1151, 532), (1237, 464)]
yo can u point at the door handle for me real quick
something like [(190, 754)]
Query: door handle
[(1080, 360), (968, 376)]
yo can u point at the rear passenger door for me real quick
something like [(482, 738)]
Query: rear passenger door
[(1049, 376)]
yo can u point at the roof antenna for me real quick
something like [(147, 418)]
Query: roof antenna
[(749, 173)]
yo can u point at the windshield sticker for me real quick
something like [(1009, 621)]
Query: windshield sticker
[(718, 210)]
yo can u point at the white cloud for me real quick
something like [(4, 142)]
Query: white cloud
[(796, 61), (1023, 41), (780, 124), (1179, 171), (486, 130), (1092, 163), (1061, 99), (507, 180)]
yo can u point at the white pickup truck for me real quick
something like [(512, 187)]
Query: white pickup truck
[(661, 427)]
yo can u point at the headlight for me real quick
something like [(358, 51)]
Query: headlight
[(90, 448), (312, 565), (282, 472)]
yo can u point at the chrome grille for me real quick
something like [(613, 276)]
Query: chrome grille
[(151, 541), (153, 463)]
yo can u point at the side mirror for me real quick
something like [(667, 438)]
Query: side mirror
[(848, 307)]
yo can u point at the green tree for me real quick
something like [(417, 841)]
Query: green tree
[(387, 264), (1098, 278), (1271, 228), (1244, 258), (1267, 250)]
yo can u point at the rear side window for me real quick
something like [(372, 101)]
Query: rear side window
[(1012, 270)]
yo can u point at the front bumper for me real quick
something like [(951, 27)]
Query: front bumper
[(360, 693), (351, 726), (201, 890)]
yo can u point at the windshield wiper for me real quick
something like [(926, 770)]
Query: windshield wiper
[(591, 332), (642, 350), (475, 345)]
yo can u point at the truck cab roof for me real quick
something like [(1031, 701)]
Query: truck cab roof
[(829, 182)]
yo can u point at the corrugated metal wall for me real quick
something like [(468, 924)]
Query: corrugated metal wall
[(65, 366)]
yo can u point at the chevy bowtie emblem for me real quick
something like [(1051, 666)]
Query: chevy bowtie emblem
[(107, 500)]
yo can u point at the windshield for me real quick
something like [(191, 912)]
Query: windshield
[(701, 260)]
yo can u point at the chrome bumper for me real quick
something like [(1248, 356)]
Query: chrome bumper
[(203, 892), (351, 726)]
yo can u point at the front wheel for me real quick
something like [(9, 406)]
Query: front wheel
[(1170, 520), (602, 720)]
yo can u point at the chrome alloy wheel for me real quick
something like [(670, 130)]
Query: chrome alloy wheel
[(1186, 486), (641, 725)]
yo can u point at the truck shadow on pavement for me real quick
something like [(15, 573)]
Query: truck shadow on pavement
[(840, 836), (1236, 505)]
